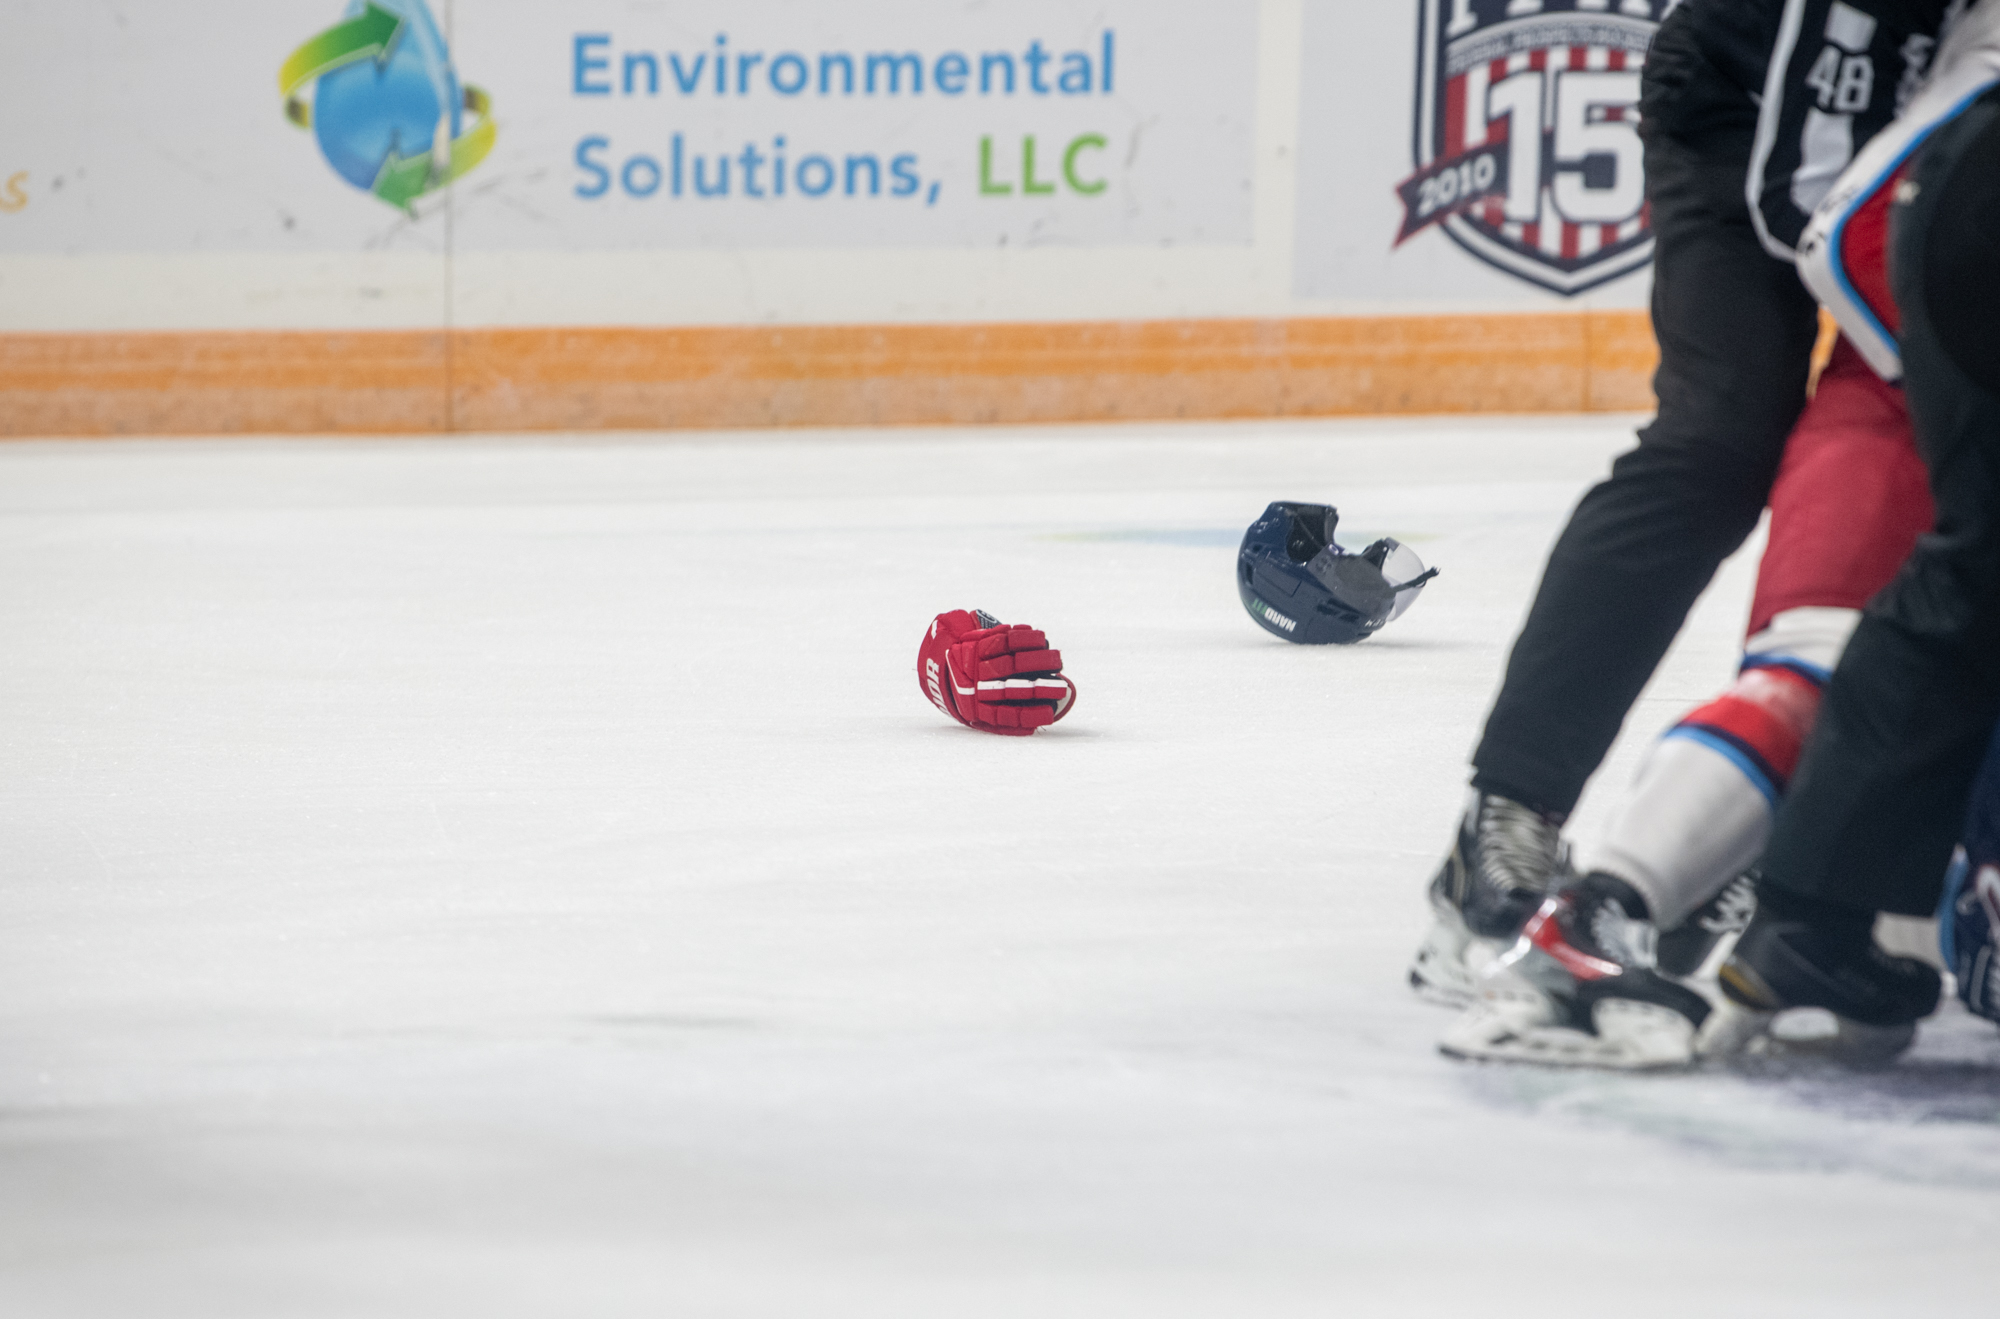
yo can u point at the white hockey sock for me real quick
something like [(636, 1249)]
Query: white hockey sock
[(1701, 805)]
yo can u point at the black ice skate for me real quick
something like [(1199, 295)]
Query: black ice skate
[(1501, 864), (1798, 953), (1694, 948), (1582, 988)]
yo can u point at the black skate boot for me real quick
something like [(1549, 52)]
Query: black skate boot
[(1582, 988), (1710, 933), (1802, 953), (1501, 864)]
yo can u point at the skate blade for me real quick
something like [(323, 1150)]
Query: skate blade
[(1449, 962), (1802, 1035), (1731, 1030), (1629, 1036)]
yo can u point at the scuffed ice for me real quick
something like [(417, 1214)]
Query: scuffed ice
[(521, 877), (1934, 1119)]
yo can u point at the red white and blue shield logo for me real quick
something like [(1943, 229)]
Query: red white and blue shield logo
[(1527, 142)]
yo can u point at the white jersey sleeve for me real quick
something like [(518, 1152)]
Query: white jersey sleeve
[(1843, 252)]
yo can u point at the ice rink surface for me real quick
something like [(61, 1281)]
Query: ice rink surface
[(521, 877)]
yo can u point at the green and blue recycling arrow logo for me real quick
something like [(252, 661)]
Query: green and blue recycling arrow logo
[(387, 107)]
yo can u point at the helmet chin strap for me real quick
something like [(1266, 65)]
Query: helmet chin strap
[(1414, 582)]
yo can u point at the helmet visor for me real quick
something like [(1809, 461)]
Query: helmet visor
[(1376, 585), (1405, 573)]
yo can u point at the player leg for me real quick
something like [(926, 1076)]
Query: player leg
[(1881, 792), (1602, 977), (1735, 332), (1850, 501)]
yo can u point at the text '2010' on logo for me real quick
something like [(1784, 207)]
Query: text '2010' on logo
[(1526, 138), (387, 107)]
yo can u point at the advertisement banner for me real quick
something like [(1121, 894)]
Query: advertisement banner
[(383, 215), (787, 123), (623, 124), (1517, 167)]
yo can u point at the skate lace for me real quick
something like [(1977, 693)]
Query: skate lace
[(1518, 847), (1733, 907), (1626, 941)]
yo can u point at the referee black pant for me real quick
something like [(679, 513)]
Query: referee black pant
[(1736, 330)]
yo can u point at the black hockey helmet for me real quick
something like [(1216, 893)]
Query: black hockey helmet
[(1301, 586)]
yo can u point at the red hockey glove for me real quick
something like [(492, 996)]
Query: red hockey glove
[(992, 677)]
